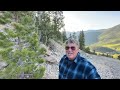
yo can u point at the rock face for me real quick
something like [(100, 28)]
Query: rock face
[(3, 65), (52, 58)]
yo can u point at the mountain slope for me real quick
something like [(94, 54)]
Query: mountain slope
[(111, 35), (108, 40), (103, 40), (91, 36)]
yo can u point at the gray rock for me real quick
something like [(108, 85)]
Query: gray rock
[(3, 65)]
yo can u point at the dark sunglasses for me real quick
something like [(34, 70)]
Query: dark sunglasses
[(67, 48)]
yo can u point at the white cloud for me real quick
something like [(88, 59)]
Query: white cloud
[(90, 20)]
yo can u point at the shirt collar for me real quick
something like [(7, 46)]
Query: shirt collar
[(76, 60)]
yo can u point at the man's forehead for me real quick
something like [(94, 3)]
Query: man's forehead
[(71, 44)]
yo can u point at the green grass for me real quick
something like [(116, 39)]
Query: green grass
[(115, 46), (115, 56), (98, 53), (112, 46)]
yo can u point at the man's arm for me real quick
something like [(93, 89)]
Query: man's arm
[(59, 72), (93, 74)]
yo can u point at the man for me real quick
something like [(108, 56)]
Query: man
[(73, 66)]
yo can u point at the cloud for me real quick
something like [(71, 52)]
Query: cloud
[(90, 20)]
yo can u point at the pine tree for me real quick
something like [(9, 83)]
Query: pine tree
[(74, 36), (70, 36), (64, 35), (57, 24), (82, 40), (49, 24), (44, 27), (20, 47)]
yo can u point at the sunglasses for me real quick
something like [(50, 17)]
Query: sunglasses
[(67, 48)]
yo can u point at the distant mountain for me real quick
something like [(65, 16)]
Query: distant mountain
[(103, 40), (111, 35), (91, 36), (108, 39)]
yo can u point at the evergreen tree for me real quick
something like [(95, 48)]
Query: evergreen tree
[(74, 36), (20, 47), (82, 40), (70, 36), (43, 23), (57, 24), (64, 36), (49, 24)]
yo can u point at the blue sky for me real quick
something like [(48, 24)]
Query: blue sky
[(90, 20)]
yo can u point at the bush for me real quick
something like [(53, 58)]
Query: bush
[(87, 50), (119, 57)]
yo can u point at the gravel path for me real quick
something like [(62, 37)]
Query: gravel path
[(108, 68)]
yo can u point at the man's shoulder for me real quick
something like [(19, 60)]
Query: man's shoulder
[(81, 58), (85, 61), (63, 57)]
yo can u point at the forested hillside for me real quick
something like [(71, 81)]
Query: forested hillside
[(21, 36), (108, 41), (32, 44), (103, 41)]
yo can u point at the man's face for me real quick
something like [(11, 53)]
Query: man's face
[(71, 50)]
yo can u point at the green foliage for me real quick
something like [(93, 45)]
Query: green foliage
[(93, 52), (42, 50), (26, 20), (74, 36), (6, 53), (40, 60), (39, 73), (116, 56), (20, 47), (5, 40), (64, 36), (10, 33), (18, 27), (87, 49), (49, 24), (110, 39), (7, 14), (82, 40), (119, 57), (5, 17), (2, 21)]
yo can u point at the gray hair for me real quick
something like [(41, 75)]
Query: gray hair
[(71, 40)]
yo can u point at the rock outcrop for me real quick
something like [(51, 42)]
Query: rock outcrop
[(3, 65), (52, 59)]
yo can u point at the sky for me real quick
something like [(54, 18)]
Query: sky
[(90, 20)]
